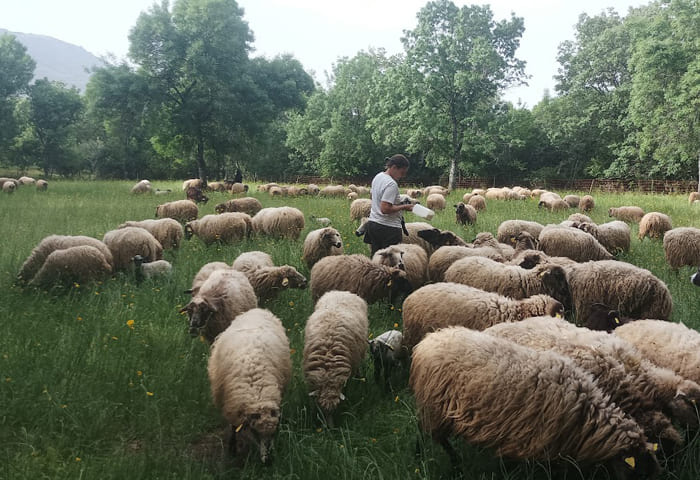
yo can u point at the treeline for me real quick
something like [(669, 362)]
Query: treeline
[(192, 102)]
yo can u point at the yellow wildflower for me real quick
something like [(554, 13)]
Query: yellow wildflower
[(78, 459), (396, 399), (80, 319), (319, 430), (139, 373), (150, 394), (130, 324), (396, 325), (291, 304), (115, 338)]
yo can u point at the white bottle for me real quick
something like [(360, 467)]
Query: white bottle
[(423, 212)]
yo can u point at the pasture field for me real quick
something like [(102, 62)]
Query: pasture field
[(86, 395)]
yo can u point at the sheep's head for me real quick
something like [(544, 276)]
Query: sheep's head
[(684, 406), (485, 239), (611, 211), (636, 463), (330, 237), (555, 283), (523, 241), (199, 311), (553, 307), (189, 231), (391, 257), (291, 278), (587, 227), (220, 208), (602, 317), (439, 238)]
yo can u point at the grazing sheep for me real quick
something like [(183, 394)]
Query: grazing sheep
[(249, 369), (280, 222), (158, 268), (168, 231), (465, 214), (558, 241), (357, 274), (313, 189), (42, 185), (654, 225), (682, 247), (266, 187), (572, 200), (530, 258), (224, 295), (352, 196), (181, 210), (410, 258), (634, 291), (486, 239), (195, 194), (4, 180), (276, 191), (479, 396), (216, 187), (268, 282), (553, 205), (224, 228), (29, 180), (442, 305), (193, 182), (511, 228), (443, 257), (249, 205), (249, 261), (237, 188), (333, 191), (510, 280), (335, 342), (204, 273), (77, 264), (437, 238), (694, 196), (413, 228), (626, 214), (387, 351), (125, 243), (427, 191), (9, 187), (294, 191), (321, 243), (144, 186), (435, 201), (360, 208), (478, 202), (601, 317), (587, 203), (414, 193), (579, 217), (614, 236), (57, 242)]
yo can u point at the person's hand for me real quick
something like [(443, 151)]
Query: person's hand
[(408, 207)]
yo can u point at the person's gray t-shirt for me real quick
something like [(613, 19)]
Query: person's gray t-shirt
[(385, 189)]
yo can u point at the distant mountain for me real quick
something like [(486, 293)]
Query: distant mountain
[(58, 60)]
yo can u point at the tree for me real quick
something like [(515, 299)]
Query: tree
[(464, 60)]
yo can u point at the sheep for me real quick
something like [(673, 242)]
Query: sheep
[(9, 187), (249, 261), (494, 193), (572, 200), (4, 180), (313, 189), (602, 317), (693, 197), (471, 384), (486, 239), (682, 247), (294, 191), (587, 203), (510, 280), (224, 228), (267, 282), (352, 196), (413, 228), (335, 342), (478, 202), (465, 214), (237, 188), (180, 210), (57, 242), (437, 238), (387, 351), (479, 191), (511, 228), (654, 225), (435, 201), (427, 191), (634, 291), (414, 193), (158, 268), (78, 264), (276, 191), (144, 186), (127, 242), (280, 222), (558, 241), (225, 294), (357, 274), (579, 217), (553, 205), (333, 191), (410, 258), (204, 273), (626, 213), (249, 205), (26, 180), (360, 208), (42, 185), (445, 256), (168, 231), (216, 187), (193, 182), (249, 369), (195, 194), (613, 236), (321, 243), (530, 258), (440, 305)]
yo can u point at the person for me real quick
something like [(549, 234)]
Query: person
[(238, 178), (384, 227)]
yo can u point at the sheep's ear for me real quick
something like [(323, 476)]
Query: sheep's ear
[(285, 281)]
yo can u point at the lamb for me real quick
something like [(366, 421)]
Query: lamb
[(79, 264), (511, 228), (388, 352), (144, 186), (181, 210), (335, 342), (634, 291), (224, 228), (269, 281), (249, 261), (587, 203), (626, 213), (125, 243), (49, 244), (158, 268), (682, 247), (572, 200), (465, 214), (42, 185), (478, 396), (357, 274), (249, 369), (654, 225), (360, 208), (204, 273), (440, 305), (167, 231), (237, 188), (321, 243), (435, 201), (613, 236), (478, 202), (249, 205), (280, 222), (223, 296), (410, 258), (558, 241)]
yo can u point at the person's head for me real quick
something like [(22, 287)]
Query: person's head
[(396, 166)]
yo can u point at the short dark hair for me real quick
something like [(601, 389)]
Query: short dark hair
[(397, 160)]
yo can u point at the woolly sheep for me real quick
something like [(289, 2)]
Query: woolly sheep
[(238, 188), (167, 231), (493, 193), (530, 258), (440, 305), (357, 274), (437, 238), (125, 243), (410, 258), (414, 193), (579, 217), (267, 282), (42, 185), (427, 191), (321, 243), (486, 239), (614, 236), (511, 228), (693, 197), (279, 222), (249, 369), (181, 210), (682, 247), (9, 187), (361, 190), (224, 228), (572, 200), (587, 203), (193, 182), (435, 201), (313, 189), (478, 202), (158, 268), (4, 180), (216, 186), (333, 191), (26, 180), (479, 396), (266, 187), (634, 291), (654, 225), (352, 196), (445, 256), (276, 191), (144, 186), (360, 208), (413, 228), (626, 213), (553, 204), (57, 242), (249, 205), (78, 264), (602, 317), (249, 261), (224, 295), (204, 273), (558, 241), (465, 214), (387, 351)]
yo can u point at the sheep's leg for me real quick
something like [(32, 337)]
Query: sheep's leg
[(387, 376), (232, 442)]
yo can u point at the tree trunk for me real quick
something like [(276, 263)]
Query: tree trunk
[(452, 182), (200, 159), (698, 172)]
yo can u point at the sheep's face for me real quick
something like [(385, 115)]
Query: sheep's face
[(189, 231), (331, 238), (555, 284), (438, 238), (220, 208), (524, 241), (602, 317), (199, 311), (554, 308), (684, 406), (293, 279), (485, 239), (391, 257)]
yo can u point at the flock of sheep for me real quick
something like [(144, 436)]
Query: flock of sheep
[(9, 185), (491, 358)]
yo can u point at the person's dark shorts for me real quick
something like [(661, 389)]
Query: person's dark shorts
[(380, 236)]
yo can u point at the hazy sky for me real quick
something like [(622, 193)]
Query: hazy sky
[(317, 32)]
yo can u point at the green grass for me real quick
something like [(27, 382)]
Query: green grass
[(82, 395)]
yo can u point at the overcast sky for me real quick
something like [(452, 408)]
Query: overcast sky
[(316, 32)]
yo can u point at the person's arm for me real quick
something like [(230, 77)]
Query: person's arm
[(388, 207)]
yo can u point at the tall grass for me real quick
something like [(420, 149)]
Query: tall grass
[(83, 395)]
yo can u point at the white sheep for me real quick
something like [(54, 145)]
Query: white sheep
[(333, 191), (626, 213), (360, 208), (24, 180), (144, 270), (144, 186), (181, 210), (125, 243), (77, 264), (478, 202), (249, 369), (613, 236), (313, 189), (280, 222), (224, 228), (321, 243), (559, 241), (204, 273), (9, 187), (511, 228), (248, 261), (335, 342), (387, 351), (587, 203), (249, 205), (682, 247), (654, 225), (435, 201), (168, 231), (42, 185), (410, 258), (237, 187), (193, 182)]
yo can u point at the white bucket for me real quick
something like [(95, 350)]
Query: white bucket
[(423, 212)]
